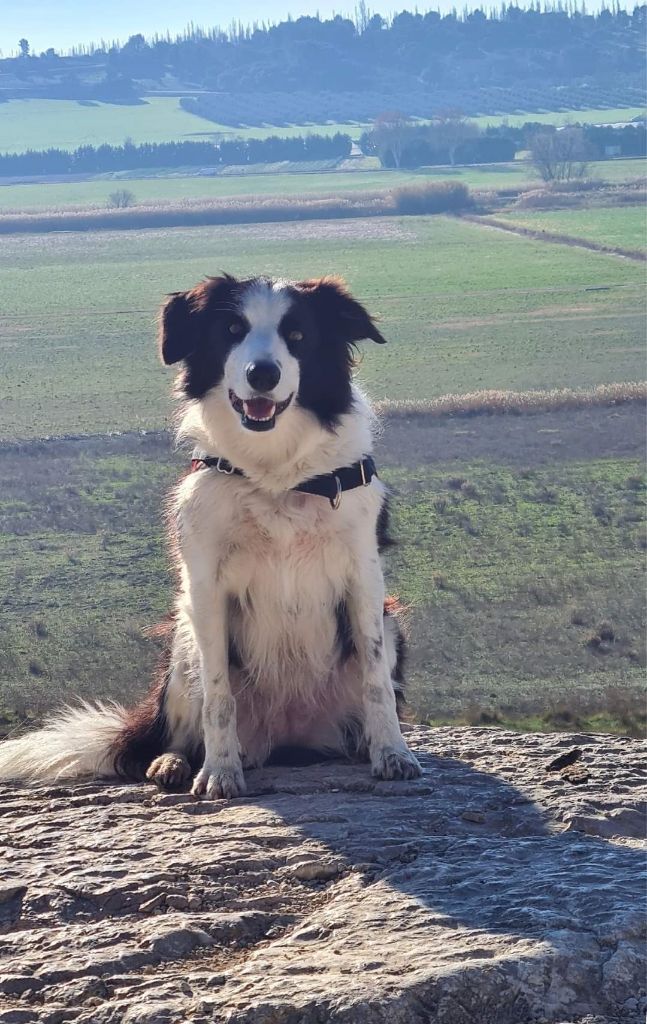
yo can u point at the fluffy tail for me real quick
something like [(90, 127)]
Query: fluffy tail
[(74, 742)]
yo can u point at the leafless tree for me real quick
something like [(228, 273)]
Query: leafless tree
[(560, 155), (120, 199), (450, 129), (391, 131)]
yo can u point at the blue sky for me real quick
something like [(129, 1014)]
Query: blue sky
[(62, 23)]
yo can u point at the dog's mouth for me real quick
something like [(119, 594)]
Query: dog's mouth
[(258, 413)]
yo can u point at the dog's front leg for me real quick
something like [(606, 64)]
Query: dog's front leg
[(222, 773), (390, 756)]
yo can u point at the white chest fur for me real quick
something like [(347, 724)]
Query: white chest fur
[(284, 563)]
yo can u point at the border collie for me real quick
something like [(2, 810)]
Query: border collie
[(281, 640)]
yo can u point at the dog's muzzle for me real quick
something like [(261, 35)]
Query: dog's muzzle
[(258, 413)]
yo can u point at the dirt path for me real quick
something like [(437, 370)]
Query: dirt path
[(532, 438), (559, 239)]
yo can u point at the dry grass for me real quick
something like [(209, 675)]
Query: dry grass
[(437, 197), (432, 197), (518, 402)]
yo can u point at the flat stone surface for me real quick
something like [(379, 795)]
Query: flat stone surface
[(491, 890)]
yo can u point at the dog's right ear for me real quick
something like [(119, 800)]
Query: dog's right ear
[(178, 332)]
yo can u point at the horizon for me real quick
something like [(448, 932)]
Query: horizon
[(46, 27)]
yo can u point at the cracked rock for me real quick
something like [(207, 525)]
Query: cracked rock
[(486, 891)]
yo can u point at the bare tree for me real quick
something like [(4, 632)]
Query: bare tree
[(560, 155), (450, 129), (390, 132), (120, 199)]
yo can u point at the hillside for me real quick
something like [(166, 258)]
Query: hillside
[(314, 70)]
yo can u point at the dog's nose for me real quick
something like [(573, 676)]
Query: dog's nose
[(263, 375)]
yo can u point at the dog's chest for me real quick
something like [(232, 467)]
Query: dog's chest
[(289, 551), (286, 573)]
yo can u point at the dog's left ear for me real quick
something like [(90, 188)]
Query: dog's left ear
[(336, 306), (178, 332)]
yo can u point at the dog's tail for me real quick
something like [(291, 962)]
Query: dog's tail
[(73, 742)]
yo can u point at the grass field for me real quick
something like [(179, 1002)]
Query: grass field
[(39, 124), (625, 227), (521, 573), (66, 124), (174, 187), (600, 115), (522, 546), (464, 307)]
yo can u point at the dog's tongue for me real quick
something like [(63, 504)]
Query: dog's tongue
[(259, 408)]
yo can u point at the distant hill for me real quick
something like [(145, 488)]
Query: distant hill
[(344, 69)]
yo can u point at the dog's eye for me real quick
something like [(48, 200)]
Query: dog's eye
[(235, 327), (295, 336)]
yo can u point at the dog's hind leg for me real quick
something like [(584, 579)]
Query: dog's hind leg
[(395, 649), (388, 751)]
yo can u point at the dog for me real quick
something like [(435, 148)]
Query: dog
[(282, 643)]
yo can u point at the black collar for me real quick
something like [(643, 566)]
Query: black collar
[(329, 485)]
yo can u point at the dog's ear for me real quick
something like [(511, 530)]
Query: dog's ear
[(178, 331), (182, 317), (336, 307)]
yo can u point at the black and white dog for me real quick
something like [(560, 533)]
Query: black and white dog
[(281, 639)]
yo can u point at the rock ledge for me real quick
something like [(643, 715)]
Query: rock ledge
[(499, 889)]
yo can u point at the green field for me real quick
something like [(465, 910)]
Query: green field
[(175, 187), (510, 574), (66, 124), (521, 550), (464, 307), (625, 227), (600, 115), (513, 574)]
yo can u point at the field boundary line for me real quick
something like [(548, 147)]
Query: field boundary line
[(555, 237)]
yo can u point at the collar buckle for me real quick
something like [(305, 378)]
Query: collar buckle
[(336, 501)]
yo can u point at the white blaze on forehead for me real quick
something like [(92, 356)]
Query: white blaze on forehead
[(264, 306)]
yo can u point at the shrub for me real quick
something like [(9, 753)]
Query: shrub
[(432, 197), (121, 199)]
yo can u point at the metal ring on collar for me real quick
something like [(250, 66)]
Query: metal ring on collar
[(336, 501)]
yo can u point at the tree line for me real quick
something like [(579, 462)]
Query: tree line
[(451, 139), (395, 139), (555, 43), (97, 159)]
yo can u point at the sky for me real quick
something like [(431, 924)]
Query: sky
[(64, 23)]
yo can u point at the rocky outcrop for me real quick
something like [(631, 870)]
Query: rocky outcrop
[(503, 886)]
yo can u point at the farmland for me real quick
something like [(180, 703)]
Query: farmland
[(626, 228), (519, 560), (38, 124), (464, 307), (41, 123), (174, 187), (522, 538)]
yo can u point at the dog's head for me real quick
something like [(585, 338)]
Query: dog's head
[(267, 345)]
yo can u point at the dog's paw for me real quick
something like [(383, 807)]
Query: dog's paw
[(391, 763), (169, 771), (219, 780)]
